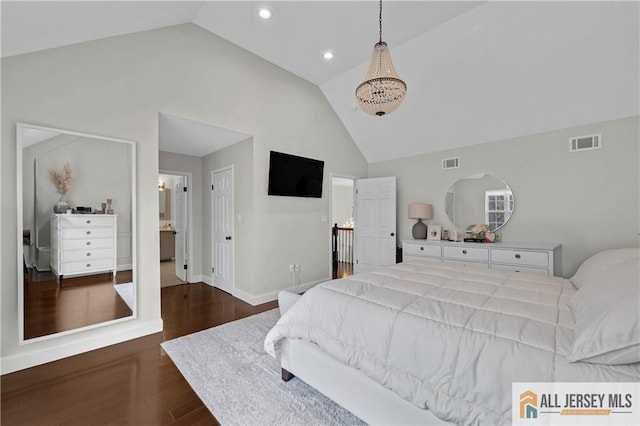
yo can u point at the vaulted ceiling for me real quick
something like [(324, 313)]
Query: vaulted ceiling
[(475, 71)]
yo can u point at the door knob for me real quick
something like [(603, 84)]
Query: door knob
[(393, 234)]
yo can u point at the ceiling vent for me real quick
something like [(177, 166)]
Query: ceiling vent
[(451, 163), (583, 143)]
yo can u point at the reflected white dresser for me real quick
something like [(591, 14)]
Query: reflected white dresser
[(83, 244), (536, 258)]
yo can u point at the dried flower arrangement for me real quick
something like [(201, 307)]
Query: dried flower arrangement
[(62, 181)]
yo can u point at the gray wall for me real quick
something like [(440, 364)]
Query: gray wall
[(587, 201), (341, 204), (117, 86)]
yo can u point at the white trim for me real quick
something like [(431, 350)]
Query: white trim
[(28, 359), (197, 278), (190, 192), (268, 296)]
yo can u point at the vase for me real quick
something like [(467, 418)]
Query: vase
[(61, 206)]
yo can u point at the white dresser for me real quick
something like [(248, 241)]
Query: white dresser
[(83, 244), (537, 258)]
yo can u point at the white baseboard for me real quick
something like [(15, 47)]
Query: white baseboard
[(273, 295), (197, 279), (268, 296), (23, 360)]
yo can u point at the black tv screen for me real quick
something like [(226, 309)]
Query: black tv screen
[(293, 176)]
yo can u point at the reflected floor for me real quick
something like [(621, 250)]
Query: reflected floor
[(78, 302)]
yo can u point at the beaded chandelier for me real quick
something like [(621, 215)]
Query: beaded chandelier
[(382, 91)]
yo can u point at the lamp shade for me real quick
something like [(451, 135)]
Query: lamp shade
[(420, 211)]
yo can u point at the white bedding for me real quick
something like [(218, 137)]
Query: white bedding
[(448, 338)]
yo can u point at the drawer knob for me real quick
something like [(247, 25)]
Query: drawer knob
[(88, 243), (464, 252), (422, 248), (518, 256), (88, 232), (88, 254), (88, 265), (89, 221)]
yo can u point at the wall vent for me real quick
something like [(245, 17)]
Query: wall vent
[(582, 143), (450, 163)]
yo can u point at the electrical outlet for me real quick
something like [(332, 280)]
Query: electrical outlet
[(297, 267), (291, 267)]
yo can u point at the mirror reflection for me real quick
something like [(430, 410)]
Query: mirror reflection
[(78, 233), (479, 198), (164, 203)]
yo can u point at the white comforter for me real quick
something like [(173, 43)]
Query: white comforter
[(448, 338)]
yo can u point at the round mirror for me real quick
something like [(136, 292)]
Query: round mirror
[(479, 198)]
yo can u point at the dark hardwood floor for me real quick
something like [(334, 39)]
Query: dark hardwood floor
[(76, 302), (131, 383)]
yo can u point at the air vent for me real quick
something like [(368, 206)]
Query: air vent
[(582, 143), (451, 163)]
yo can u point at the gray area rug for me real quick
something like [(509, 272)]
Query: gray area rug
[(240, 383)]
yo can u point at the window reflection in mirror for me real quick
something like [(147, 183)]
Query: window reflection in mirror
[(479, 198), (78, 262)]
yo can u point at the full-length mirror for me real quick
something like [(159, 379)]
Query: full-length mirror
[(479, 198), (76, 210)]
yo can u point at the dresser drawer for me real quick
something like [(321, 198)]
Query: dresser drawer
[(82, 255), (422, 250), (520, 257), (86, 266), (467, 253), (72, 221), (463, 263), (93, 243), (411, 258), (524, 269), (84, 233)]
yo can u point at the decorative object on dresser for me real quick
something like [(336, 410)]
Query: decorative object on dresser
[(83, 244), (420, 211), (62, 182), (535, 258), (435, 232)]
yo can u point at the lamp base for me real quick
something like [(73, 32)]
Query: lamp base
[(419, 230)]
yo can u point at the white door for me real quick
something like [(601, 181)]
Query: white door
[(375, 218), (180, 226), (222, 228)]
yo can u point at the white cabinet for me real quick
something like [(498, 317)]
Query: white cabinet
[(83, 244), (536, 258)]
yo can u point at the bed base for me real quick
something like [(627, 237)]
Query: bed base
[(349, 387)]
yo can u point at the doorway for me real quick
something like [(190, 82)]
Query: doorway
[(342, 226), (175, 227)]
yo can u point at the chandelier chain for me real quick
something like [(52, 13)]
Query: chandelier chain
[(380, 21)]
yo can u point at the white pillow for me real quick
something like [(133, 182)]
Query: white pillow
[(601, 262), (607, 314)]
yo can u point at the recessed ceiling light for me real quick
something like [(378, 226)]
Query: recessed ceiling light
[(265, 13), (328, 55)]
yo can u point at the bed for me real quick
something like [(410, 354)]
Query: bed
[(430, 343)]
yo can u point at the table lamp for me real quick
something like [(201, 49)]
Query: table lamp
[(420, 211)]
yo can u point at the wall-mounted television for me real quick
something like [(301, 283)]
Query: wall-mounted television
[(293, 176)]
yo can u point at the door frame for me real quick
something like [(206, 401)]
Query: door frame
[(233, 227), (353, 199), (189, 177)]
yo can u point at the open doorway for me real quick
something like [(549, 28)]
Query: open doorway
[(174, 227), (342, 226)]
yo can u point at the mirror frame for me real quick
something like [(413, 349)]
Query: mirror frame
[(457, 225), (19, 199)]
